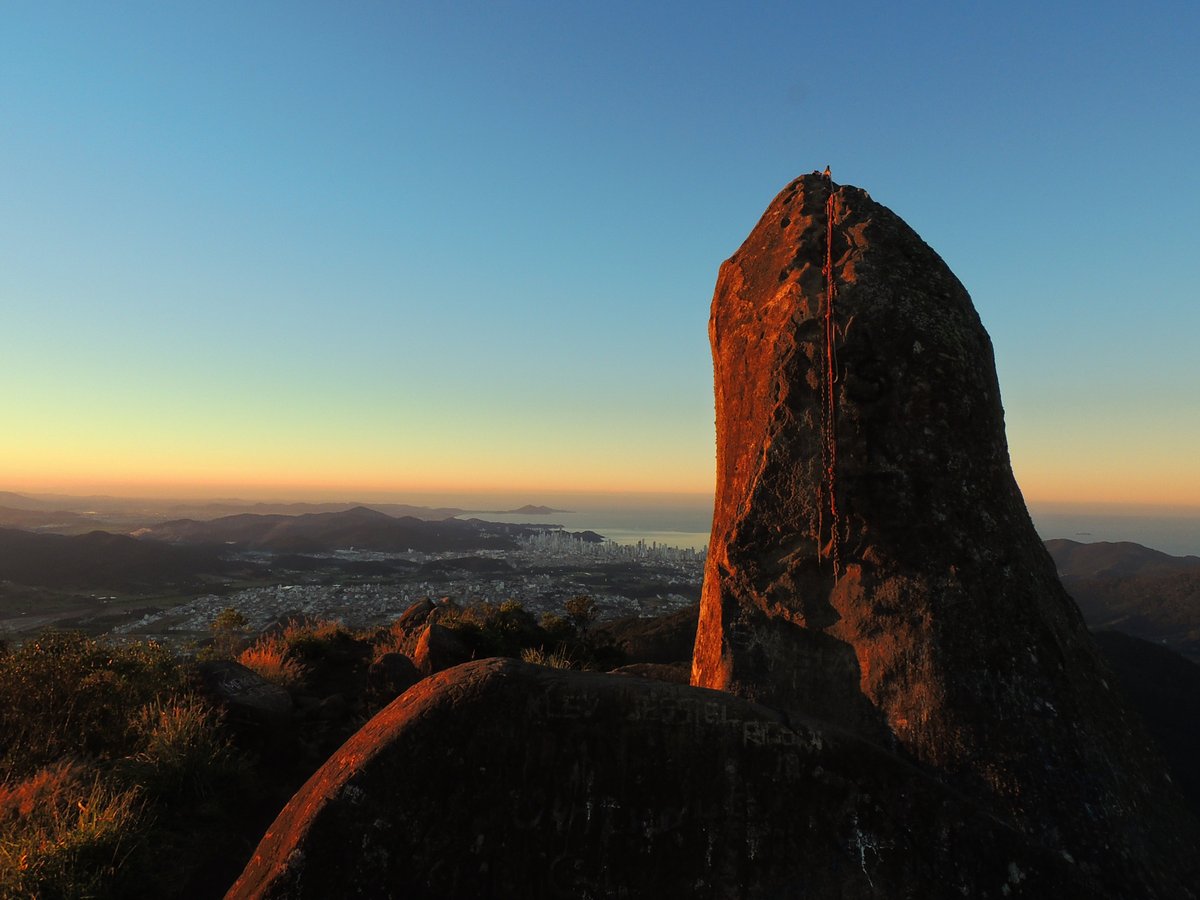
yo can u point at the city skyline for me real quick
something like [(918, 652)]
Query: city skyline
[(296, 252)]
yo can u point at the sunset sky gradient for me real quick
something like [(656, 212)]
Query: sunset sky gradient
[(318, 249)]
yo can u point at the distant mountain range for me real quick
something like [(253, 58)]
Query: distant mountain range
[(1121, 586), (1120, 558), (360, 528), (41, 519), (171, 552), (66, 514), (1133, 589), (20, 501), (100, 560)]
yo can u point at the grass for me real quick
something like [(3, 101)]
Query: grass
[(63, 694), (118, 780), (65, 832), (559, 658), (270, 657), (183, 751), (295, 653), (106, 758), (391, 640)]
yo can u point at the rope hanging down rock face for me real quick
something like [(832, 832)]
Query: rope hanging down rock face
[(829, 400)]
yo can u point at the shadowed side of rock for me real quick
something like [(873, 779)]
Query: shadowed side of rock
[(872, 562), (501, 779)]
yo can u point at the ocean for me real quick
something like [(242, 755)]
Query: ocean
[(688, 523), (1177, 534), (683, 523)]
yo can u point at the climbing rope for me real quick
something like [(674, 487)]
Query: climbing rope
[(829, 400)]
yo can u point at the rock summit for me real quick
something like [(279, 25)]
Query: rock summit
[(872, 562), (891, 694)]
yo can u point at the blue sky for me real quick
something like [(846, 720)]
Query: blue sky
[(294, 247)]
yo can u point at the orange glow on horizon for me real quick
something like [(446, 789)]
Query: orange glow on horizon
[(318, 473), (330, 489), (1042, 490), (1080, 485)]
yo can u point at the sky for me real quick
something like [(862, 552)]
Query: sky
[(379, 248)]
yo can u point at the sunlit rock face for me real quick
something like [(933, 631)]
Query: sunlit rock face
[(934, 721), (872, 562)]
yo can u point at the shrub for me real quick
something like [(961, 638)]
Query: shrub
[(391, 640), (556, 627), (97, 743), (582, 611), (303, 653), (64, 694), (183, 752), (315, 640), (495, 630), (229, 634)]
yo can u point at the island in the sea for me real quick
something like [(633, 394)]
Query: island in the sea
[(530, 510)]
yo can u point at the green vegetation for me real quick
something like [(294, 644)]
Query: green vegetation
[(63, 694), (270, 658), (492, 630), (582, 611), (507, 629), (64, 833), (298, 653), (118, 778), (104, 748), (229, 634)]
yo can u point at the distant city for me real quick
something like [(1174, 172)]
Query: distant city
[(548, 568)]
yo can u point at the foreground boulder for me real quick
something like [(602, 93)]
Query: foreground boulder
[(438, 648), (872, 562), (503, 779), (247, 696)]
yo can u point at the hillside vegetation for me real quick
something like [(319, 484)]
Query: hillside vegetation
[(123, 775)]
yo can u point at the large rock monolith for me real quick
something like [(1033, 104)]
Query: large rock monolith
[(932, 717), (872, 562)]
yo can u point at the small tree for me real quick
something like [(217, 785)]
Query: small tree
[(582, 611), (229, 633)]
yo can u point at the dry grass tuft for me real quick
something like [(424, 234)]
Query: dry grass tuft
[(559, 659), (270, 658), (63, 834), (394, 640)]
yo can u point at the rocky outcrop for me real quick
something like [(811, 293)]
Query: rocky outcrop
[(248, 697), (415, 616), (438, 648), (872, 562), (502, 779)]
